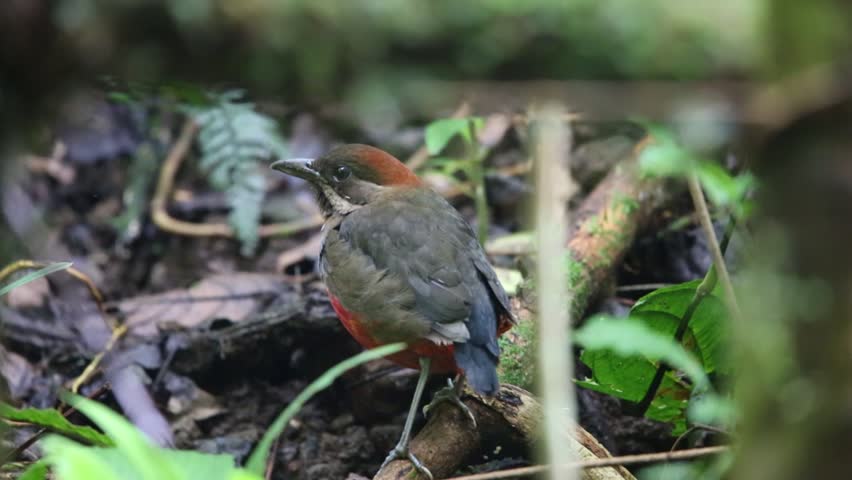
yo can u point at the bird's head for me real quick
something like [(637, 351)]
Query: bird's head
[(350, 176)]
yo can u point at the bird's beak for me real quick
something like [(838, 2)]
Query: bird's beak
[(298, 167)]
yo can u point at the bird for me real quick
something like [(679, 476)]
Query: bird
[(401, 264)]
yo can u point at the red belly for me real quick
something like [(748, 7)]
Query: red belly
[(441, 355)]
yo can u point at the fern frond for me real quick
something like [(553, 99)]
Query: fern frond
[(233, 137)]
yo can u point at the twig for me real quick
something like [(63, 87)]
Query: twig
[(419, 157), (96, 361), (117, 330), (270, 462), (602, 462), (704, 288), (713, 244), (641, 287), (697, 426), (30, 264), (66, 412), (160, 215)]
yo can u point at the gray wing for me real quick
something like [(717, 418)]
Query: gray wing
[(426, 244)]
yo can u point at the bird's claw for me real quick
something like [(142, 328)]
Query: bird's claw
[(401, 452), (450, 394)]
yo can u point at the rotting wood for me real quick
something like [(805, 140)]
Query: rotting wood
[(448, 441)]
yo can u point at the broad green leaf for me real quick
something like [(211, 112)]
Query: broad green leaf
[(629, 377), (36, 471), (664, 160), (257, 460), (630, 336), (53, 267), (242, 474), (623, 355), (141, 455), (440, 132), (133, 457), (706, 328), (72, 461), (185, 464), (54, 421)]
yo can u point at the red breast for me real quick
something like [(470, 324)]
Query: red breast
[(442, 357)]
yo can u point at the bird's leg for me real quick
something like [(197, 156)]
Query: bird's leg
[(400, 451), (451, 393)]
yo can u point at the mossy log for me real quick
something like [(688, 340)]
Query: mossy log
[(604, 228), (508, 421)]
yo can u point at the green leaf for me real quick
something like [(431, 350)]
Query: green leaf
[(629, 377), (665, 157), (53, 267), (54, 421), (721, 187), (630, 336), (75, 462), (185, 464), (242, 474), (257, 460), (133, 457), (36, 471), (440, 132), (72, 461), (140, 454), (706, 328)]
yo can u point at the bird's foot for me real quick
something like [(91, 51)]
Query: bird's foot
[(450, 394), (401, 452)]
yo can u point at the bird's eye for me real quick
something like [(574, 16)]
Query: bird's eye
[(341, 173)]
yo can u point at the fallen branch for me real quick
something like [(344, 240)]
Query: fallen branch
[(509, 421)]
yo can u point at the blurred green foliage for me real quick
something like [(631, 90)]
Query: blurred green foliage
[(134, 457), (471, 163), (623, 354)]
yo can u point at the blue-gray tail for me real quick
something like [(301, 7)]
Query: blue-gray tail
[(478, 357)]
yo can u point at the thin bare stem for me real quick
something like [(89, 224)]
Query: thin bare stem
[(552, 193), (704, 288), (602, 462), (713, 244)]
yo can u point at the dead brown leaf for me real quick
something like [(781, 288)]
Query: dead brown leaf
[(232, 296)]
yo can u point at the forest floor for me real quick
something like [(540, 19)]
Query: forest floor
[(222, 341)]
